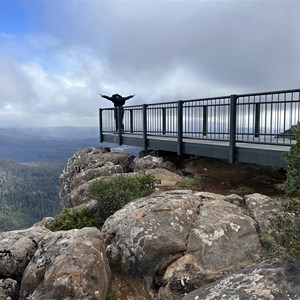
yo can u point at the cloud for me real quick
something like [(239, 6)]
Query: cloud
[(65, 87), (243, 44), (158, 50)]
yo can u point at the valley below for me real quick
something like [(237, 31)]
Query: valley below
[(31, 161)]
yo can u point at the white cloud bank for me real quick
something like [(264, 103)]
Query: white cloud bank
[(158, 50)]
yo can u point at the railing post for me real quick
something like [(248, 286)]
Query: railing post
[(179, 126), (145, 142), (131, 120), (100, 125), (257, 119), (204, 120), (232, 141), (164, 120), (120, 129)]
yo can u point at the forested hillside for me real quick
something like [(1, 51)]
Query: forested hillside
[(30, 167), (28, 192)]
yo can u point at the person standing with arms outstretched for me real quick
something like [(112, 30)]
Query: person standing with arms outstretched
[(118, 102)]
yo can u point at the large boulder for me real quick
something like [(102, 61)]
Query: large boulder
[(146, 162), (151, 162), (68, 265), (87, 164), (264, 281), (222, 239), (180, 240), (263, 208), (16, 250)]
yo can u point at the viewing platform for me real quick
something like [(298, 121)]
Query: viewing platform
[(249, 128)]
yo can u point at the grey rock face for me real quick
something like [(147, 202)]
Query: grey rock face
[(68, 265), (151, 162), (262, 208), (147, 162), (181, 239), (16, 250), (235, 199), (264, 281), (9, 289), (87, 164)]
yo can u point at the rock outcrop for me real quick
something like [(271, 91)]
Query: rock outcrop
[(180, 240), (87, 164), (165, 177), (150, 162), (265, 281), (169, 245), (53, 265), (16, 250), (262, 208), (9, 289)]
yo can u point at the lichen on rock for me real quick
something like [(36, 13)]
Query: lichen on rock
[(178, 234)]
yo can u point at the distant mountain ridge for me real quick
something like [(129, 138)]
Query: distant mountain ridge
[(23, 147), (30, 166), (51, 143), (71, 132)]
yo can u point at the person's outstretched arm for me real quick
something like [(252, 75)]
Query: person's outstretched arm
[(106, 97), (128, 97)]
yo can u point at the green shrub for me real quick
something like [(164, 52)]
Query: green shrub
[(286, 231), (73, 218), (292, 158), (113, 194)]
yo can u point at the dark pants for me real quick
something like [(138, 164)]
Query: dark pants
[(119, 111)]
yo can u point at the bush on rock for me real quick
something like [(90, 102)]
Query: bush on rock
[(73, 218), (113, 194)]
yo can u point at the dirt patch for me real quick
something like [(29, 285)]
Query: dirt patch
[(218, 176)]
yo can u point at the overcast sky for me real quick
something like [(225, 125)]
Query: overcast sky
[(57, 56)]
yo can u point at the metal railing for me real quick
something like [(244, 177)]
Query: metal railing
[(261, 118)]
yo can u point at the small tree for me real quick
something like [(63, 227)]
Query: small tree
[(292, 158)]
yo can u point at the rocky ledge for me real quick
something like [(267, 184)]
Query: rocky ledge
[(177, 244)]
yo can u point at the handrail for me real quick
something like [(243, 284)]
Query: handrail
[(261, 118)]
